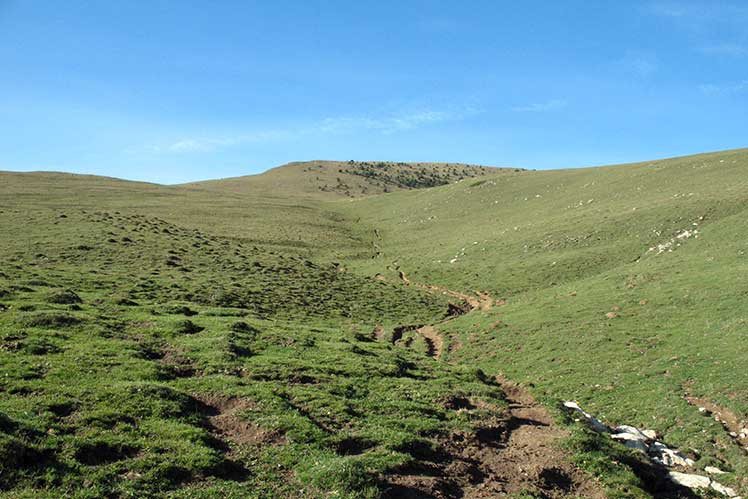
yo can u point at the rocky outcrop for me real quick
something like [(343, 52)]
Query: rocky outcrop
[(646, 442)]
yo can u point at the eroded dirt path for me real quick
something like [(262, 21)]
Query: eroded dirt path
[(735, 427), (532, 458), (516, 450), (433, 339), (478, 301)]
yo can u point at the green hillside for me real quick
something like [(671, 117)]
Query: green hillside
[(293, 224), (331, 179), (624, 286), (140, 358), (358, 330)]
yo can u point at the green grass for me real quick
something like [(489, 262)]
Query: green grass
[(132, 315), (116, 328), (348, 179), (566, 247)]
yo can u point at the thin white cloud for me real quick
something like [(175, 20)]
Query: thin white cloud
[(719, 89), (439, 25), (387, 124), (207, 144), (639, 64), (541, 107), (717, 28), (701, 16), (729, 49), (669, 9), (194, 145), (700, 12)]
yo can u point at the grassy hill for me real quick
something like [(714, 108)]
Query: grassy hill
[(622, 287), (330, 179), (306, 333), (293, 224), (140, 358)]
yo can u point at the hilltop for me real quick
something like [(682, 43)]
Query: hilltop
[(326, 179), (366, 330)]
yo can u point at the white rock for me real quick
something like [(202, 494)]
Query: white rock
[(669, 457), (631, 430), (690, 481), (679, 460), (722, 489), (658, 447), (628, 437), (592, 421), (631, 441), (714, 471), (650, 434)]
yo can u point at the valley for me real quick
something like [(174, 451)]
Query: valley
[(373, 329)]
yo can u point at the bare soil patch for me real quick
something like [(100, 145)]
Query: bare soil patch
[(517, 451), (433, 340), (223, 420), (736, 427)]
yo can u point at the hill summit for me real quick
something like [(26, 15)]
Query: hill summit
[(326, 179)]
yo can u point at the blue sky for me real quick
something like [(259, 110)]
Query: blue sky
[(172, 91)]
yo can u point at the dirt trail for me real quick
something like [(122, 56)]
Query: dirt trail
[(514, 452), (433, 340), (532, 456), (736, 427), (479, 301)]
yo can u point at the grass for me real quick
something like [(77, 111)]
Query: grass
[(166, 341), (123, 337), (564, 248), (325, 180)]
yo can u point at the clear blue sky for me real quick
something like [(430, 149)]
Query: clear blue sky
[(171, 91)]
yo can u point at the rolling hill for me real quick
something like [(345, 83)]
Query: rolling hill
[(621, 287), (330, 179), (362, 330)]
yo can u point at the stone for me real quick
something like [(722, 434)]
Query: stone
[(714, 471), (650, 434), (632, 441), (690, 481), (592, 421), (632, 431), (668, 457), (722, 489)]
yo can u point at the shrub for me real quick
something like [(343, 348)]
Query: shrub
[(243, 327), (102, 452), (39, 346), (51, 320), (181, 309), (64, 297), (188, 327)]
